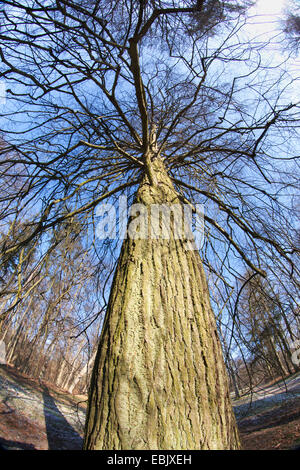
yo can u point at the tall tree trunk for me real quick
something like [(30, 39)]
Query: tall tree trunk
[(74, 368), (234, 380), (63, 365), (159, 379), (81, 373), (16, 334)]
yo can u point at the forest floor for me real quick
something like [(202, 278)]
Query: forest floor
[(35, 415), (269, 418)]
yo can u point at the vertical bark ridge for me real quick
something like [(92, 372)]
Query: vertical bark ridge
[(159, 380)]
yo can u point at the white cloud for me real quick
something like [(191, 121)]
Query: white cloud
[(269, 7)]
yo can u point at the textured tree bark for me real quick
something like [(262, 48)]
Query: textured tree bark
[(159, 380)]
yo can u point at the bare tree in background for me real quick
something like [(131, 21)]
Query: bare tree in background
[(166, 102), (291, 25), (43, 320)]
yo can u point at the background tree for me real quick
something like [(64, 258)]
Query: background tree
[(266, 330), (291, 25), (40, 330), (159, 100)]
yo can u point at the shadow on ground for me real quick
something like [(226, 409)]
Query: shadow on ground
[(14, 445), (60, 434)]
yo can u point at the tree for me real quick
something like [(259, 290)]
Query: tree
[(154, 383), (291, 25), (262, 321), (164, 101), (42, 308)]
